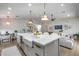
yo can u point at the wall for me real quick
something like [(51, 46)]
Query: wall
[(19, 24), (73, 23)]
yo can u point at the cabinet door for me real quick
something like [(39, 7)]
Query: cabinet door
[(52, 49), (30, 51), (18, 39), (25, 49)]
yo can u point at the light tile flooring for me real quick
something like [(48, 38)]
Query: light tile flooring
[(63, 51), (69, 52), (10, 44)]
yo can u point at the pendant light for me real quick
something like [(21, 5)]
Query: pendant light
[(8, 20), (30, 20), (30, 17), (52, 17), (45, 16)]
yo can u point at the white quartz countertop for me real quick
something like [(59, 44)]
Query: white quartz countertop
[(42, 39)]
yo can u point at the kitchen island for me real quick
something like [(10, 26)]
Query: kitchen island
[(44, 45)]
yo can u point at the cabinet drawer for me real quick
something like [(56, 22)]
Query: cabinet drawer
[(37, 53), (38, 49)]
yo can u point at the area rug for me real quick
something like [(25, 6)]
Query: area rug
[(11, 51)]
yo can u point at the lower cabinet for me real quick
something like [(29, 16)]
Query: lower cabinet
[(29, 51), (18, 40), (51, 49), (37, 53), (38, 50)]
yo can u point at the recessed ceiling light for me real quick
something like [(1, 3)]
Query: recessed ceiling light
[(62, 5), (68, 15), (8, 12), (29, 4), (9, 8), (8, 23)]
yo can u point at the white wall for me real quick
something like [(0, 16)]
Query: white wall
[(19, 24), (15, 25), (73, 23)]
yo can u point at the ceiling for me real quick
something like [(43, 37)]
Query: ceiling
[(21, 10)]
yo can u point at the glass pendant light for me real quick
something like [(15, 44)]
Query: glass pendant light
[(8, 20), (7, 23), (45, 16), (30, 20)]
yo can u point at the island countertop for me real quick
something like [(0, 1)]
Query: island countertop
[(42, 39)]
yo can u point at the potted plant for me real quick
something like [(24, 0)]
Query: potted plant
[(61, 32), (76, 36), (15, 31)]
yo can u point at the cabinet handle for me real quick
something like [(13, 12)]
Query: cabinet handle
[(37, 46), (37, 54)]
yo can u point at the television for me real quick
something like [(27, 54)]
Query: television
[(58, 27)]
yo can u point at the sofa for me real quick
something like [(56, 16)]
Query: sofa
[(67, 41)]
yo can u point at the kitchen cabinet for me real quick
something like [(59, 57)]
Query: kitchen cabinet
[(36, 47)]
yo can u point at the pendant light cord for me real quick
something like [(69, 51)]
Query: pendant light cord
[(30, 11), (44, 8)]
